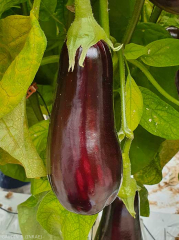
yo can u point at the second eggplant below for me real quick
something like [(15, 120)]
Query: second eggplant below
[(118, 224)]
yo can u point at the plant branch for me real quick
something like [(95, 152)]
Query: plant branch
[(155, 14), (104, 16), (153, 81), (133, 21), (125, 131), (36, 8)]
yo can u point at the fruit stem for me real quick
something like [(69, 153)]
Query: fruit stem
[(153, 81), (155, 14), (133, 21), (83, 9), (104, 16), (36, 8), (125, 131)]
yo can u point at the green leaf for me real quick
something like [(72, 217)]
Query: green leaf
[(144, 202), (56, 219), (27, 219), (40, 185), (143, 149), (134, 51), (119, 17), (146, 33), (31, 117), (15, 140), (47, 93), (14, 171), (168, 19), (167, 151), (162, 53), (7, 4), (159, 118), (39, 133), (47, 8), (21, 49), (152, 173), (134, 103)]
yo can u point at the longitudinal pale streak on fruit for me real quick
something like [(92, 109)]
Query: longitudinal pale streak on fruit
[(171, 6), (84, 156), (118, 224)]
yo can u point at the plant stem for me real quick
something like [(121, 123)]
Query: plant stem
[(50, 59), (24, 9), (133, 21), (153, 81), (83, 9), (127, 146), (36, 8), (34, 101), (104, 16), (125, 131), (155, 14)]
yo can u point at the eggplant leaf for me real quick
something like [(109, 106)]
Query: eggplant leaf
[(22, 45), (134, 103), (159, 118), (27, 220), (56, 219), (162, 53), (15, 140), (134, 51)]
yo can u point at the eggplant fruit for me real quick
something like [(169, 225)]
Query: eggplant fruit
[(84, 157), (174, 32), (117, 223), (171, 6)]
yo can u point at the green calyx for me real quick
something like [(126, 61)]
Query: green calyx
[(84, 32)]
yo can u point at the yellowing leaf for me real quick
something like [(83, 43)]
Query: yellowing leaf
[(15, 140), (55, 219), (27, 219), (40, 185), (22, 45), (134, 103)]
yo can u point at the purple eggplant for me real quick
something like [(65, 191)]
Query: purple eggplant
[(84, 157), (174, 32), (118, 224), (171, 6)]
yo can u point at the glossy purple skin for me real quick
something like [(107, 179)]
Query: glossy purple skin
[(174, 32), (118, 224), (84, 156), (171, 6)]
